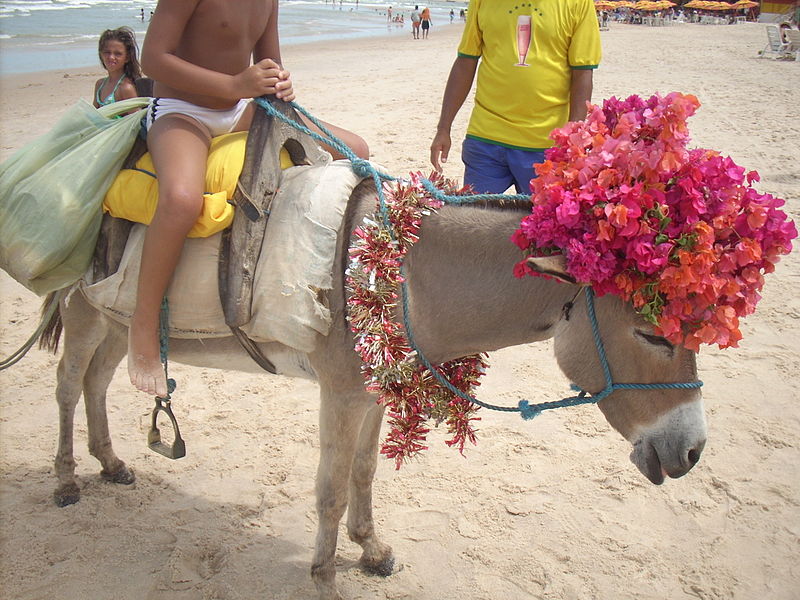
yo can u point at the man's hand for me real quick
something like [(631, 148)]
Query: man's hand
[(458, 85), (440, 148)]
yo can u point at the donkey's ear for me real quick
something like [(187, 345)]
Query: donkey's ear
[(555, 266)]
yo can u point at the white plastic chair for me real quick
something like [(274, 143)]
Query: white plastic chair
[(775, 47)]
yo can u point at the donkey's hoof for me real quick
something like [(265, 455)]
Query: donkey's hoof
[(123, 475), (384, 567), (66, 495)]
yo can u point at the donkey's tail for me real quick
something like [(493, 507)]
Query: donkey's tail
[(51, 326), (48, 332)]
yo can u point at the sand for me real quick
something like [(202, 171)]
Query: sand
[(548, 509)]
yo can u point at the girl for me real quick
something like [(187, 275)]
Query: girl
[(119, 56)]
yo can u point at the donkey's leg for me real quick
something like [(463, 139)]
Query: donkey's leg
[(84, 331), (95, 384), (377, 557), (340, 421)]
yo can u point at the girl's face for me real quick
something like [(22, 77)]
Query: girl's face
[(114, 55)]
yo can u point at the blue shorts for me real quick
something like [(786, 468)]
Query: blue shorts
[(492, 169)]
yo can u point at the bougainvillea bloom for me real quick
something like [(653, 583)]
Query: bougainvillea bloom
[(679, 232)]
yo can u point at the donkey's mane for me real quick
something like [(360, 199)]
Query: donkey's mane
[(502, 204)]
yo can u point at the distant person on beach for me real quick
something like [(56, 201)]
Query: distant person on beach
[(426, 22), (199, 54), (141, 9), (119, 56), (452, 15), (535, 74), (415, 21)]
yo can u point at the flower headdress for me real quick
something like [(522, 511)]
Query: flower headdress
[(681, 233)]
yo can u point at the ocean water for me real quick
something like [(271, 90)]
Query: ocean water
[(40, 35)]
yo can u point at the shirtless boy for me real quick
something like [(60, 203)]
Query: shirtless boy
[(199, 53)]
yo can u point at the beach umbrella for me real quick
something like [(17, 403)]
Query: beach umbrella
[(647, 6), (744, 4), (604, 5)]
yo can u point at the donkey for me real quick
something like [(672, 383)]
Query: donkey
[(462, 299)]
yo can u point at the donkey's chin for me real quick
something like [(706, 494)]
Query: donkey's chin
[(672, 445), (645, 457)]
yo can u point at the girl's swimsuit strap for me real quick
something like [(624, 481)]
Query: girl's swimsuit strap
[(110, 98)]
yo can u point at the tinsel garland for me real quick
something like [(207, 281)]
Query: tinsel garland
[(411, 394)]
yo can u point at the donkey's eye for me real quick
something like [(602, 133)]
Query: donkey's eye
[(656, 340)]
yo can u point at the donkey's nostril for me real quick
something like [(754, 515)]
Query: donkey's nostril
[(694, 456)]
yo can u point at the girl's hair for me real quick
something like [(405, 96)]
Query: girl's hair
[(125, 35)]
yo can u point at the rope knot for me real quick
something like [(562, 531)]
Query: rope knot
[(361, 167), (527, 411)]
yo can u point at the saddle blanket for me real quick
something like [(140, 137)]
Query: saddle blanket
[(293, 276)]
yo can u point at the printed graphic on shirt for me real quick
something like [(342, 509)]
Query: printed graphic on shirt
[(524, 35), (524, 30)]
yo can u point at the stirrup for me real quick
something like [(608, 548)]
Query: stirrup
[(178, 448)]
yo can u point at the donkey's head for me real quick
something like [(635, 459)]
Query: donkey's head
[(667, 427)]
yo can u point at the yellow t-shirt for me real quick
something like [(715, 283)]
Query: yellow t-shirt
[(522, 96)]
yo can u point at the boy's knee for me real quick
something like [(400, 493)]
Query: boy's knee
[(360, 147), (180, 203)]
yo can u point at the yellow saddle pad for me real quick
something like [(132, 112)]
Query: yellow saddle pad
[(134, 193)]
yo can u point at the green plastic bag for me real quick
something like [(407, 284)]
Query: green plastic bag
[(52, 190)]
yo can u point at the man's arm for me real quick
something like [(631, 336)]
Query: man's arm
[(580, 92), (458, 85)]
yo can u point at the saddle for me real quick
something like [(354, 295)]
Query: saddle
[(241, 243)]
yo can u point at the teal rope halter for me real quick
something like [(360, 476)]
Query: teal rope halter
[(364, 168), (529, 411)]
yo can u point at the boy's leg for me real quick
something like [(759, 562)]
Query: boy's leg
[(355, 142), (485, 168), (179, 148)]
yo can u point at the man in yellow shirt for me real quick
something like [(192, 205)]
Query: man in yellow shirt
[(534, 62)]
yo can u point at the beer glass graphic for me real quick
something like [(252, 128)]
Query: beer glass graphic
[(523, 39)]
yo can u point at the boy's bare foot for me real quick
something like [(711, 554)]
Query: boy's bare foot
[(144, 362)]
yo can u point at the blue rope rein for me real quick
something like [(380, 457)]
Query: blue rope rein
[(163, 343), (363, 168)]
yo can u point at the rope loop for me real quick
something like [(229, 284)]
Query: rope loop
[(362, 167), (528, 412)]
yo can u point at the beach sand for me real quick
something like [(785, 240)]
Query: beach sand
[(547, 509)]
